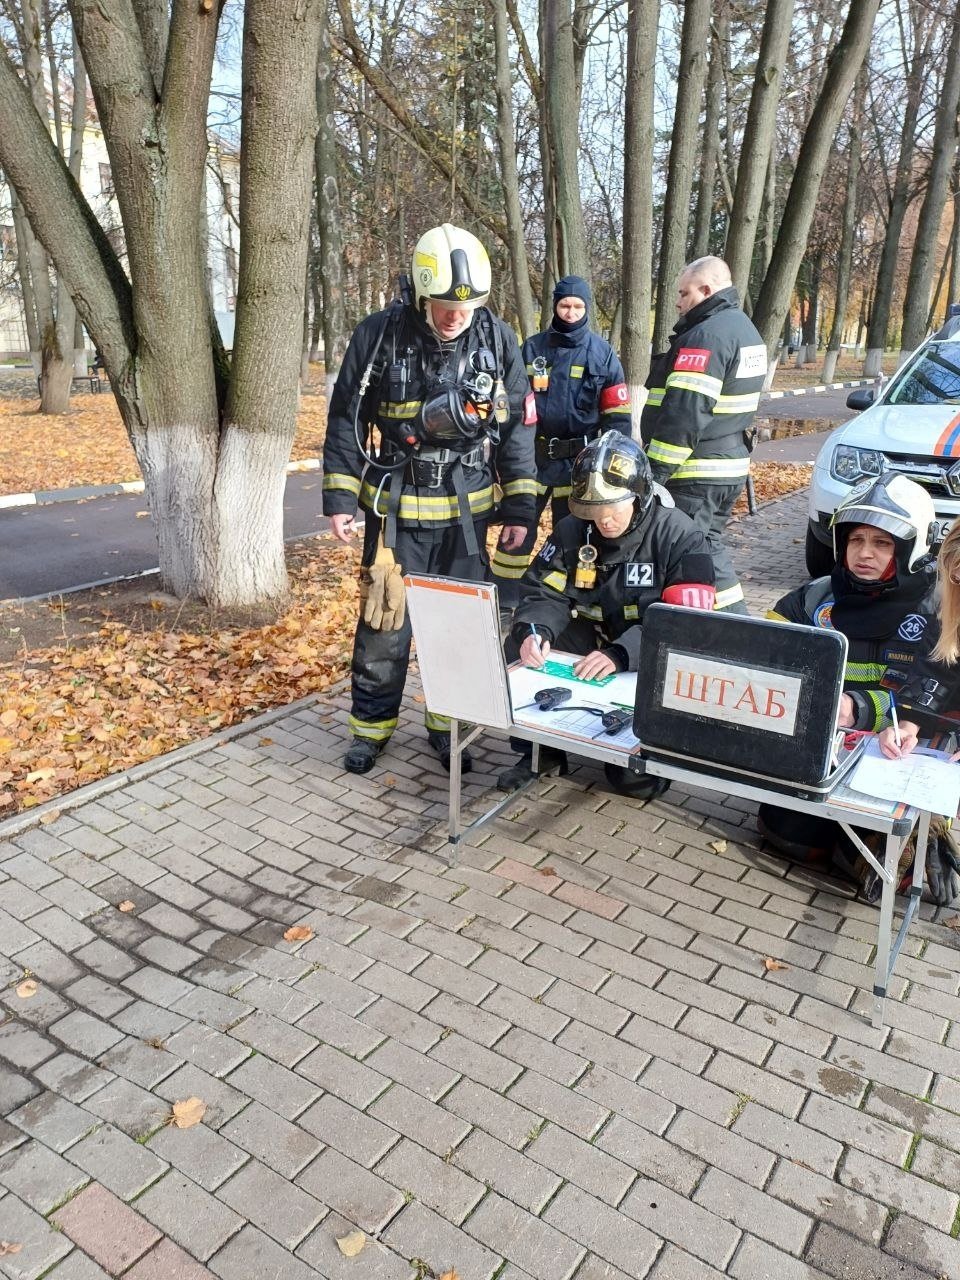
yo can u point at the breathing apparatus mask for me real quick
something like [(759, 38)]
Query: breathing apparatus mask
[(464, 411)]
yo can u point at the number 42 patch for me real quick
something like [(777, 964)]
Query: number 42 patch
[(639, 575)]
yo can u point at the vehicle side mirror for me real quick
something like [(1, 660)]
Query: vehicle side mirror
[(862, 398)]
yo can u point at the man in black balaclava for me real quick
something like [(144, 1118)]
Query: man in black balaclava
[(580, 392)]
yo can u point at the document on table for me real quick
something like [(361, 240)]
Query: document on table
[(619, 691), (925, 779)]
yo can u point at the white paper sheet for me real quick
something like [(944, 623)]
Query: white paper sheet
[(618, 692), (925, 779)]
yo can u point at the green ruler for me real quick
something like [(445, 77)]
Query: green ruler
[(565, 669)]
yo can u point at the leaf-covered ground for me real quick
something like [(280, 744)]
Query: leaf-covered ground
[(89, 445), (135, 675)]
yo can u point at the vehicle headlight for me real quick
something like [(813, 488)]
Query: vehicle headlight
[(850, 464)]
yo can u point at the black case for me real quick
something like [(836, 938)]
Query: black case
[(802, 763)]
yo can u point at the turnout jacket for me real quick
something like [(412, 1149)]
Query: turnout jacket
[(703, 394), (586, 394), (633, 571), (899, 657), (411, 365)]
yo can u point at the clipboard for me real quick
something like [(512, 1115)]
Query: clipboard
[(456, 628)]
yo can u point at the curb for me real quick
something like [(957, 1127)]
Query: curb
[(46, 497), (822, 386)]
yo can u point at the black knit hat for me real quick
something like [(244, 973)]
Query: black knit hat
[(572, 287)]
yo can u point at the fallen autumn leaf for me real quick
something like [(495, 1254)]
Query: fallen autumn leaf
[(126, 905), (9, 1246), (298, 933), (718, 846), (772, 965), (187, 1113), (27, 989), (350, 1245)]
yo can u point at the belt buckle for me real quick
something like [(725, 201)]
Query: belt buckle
[(552, 448)]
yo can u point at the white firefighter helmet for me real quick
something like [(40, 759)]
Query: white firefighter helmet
[(451, 266), (898, 506)]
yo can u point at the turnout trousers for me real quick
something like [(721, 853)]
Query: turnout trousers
[(509, 567), (709, 506), (380, 658)]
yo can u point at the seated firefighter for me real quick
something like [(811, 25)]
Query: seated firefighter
[(882, 596), (622, 548)]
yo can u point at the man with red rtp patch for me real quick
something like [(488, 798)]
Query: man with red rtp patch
[(697, 423)]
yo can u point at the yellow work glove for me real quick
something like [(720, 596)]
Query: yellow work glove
[(382, 595)]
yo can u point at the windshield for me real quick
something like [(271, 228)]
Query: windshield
[(934, 379)]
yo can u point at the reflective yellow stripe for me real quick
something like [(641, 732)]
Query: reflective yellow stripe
[(671, 454), (738, 404), (436, 723), (372, 730), (555, 580), (408, 409), (616, 409), (881, 706), (414, 506), (562, 490), (865, 671), (511, 487), (631, 612), (776, 617), (655, 396), (712, 469), (728, 596), (337, 480), (506, 565), (701, 383), (576, 371), (591, 611)]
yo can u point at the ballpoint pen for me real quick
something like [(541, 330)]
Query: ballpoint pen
[(894, 720)]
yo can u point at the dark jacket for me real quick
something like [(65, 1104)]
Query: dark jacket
[(895, 656), (586, 394), (632, 573), (411, 365), (703, 395)]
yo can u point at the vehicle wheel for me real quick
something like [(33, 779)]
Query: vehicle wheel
[(819, 557)]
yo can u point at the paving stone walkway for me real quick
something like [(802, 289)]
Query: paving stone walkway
[(561, 1058)]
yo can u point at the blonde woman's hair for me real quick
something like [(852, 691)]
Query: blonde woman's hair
[(948, 574)]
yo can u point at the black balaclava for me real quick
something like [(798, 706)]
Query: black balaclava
[(571, 287)]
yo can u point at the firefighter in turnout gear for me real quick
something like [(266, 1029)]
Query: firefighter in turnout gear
[(697, 423), (882, 596), (622, 548), (441, 381), (580, 391)]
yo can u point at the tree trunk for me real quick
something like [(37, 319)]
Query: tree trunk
[(758, 141), (334, 320), (23, 233), (280, 58), (899, 199), (683, 155), (953, 289), (931, 211), (559, 78), (710, 151), (843, 65), (847, 232), (642, 19), (519, 266)]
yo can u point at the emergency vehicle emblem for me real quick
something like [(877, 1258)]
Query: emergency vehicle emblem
[(462, 291), (912, 627)]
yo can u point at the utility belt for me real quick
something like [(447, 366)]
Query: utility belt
[(549, 448), (429, 468)]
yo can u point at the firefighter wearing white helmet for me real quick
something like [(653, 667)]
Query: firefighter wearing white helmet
[(882, 596), (431, 410)]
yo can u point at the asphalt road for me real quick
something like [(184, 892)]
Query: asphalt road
[(65, 546)]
